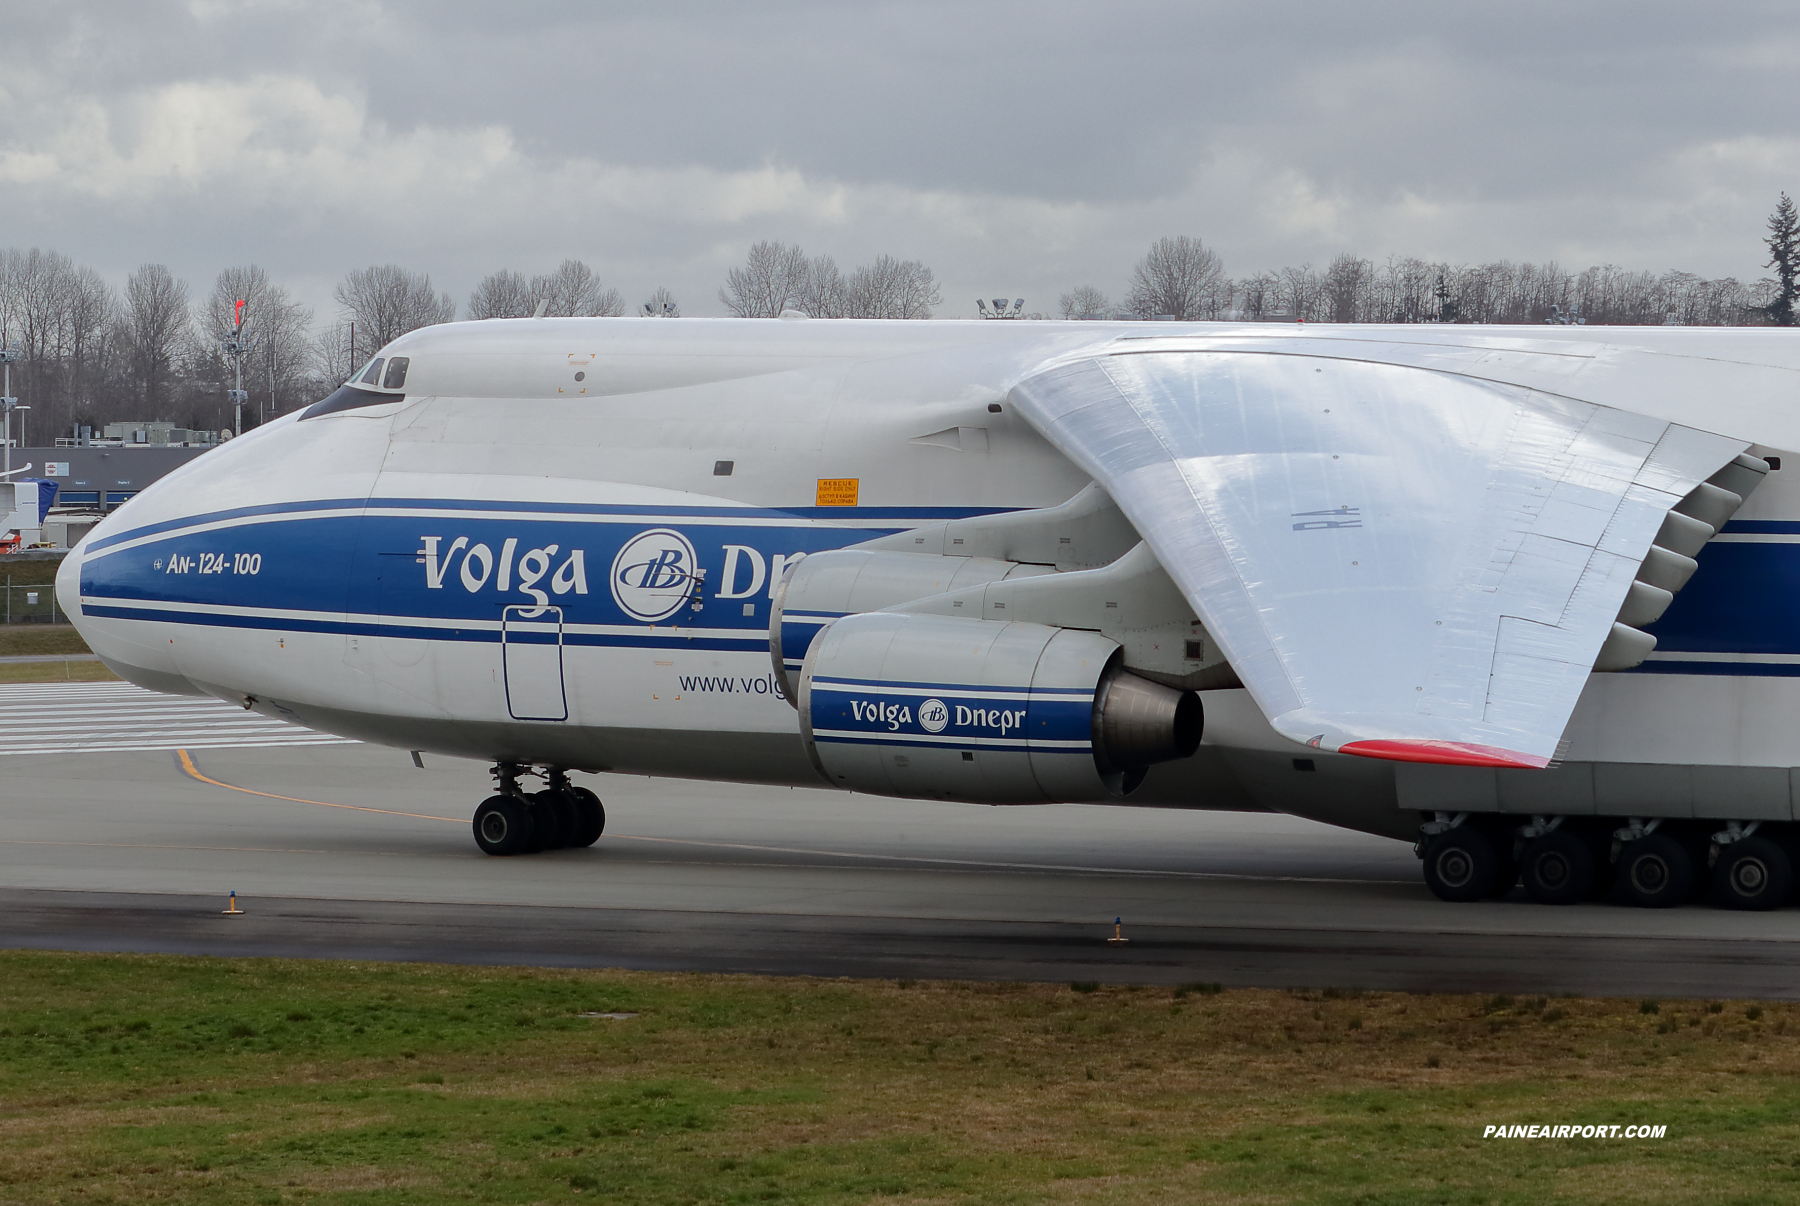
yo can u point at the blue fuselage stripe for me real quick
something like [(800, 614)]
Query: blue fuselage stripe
[(904, 515), (350, 571), (1744, 599)]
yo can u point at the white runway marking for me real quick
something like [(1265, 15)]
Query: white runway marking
[(53, 718)]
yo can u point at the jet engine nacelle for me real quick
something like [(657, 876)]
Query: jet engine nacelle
[(820, 588), (937, 707)]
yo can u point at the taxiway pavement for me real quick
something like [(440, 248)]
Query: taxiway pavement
[(349, 851)]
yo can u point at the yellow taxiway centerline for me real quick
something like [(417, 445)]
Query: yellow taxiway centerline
[(187, 764)]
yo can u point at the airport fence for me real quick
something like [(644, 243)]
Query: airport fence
[(32, 604)]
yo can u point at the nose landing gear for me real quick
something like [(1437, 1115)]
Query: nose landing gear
[(515, 822)]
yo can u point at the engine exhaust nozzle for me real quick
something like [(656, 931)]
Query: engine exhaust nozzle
[(1138, 723)]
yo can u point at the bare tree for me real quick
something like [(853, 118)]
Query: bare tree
[(773, 276), (1406, 290), (1085, 302), (334, 357), (1178, 276), (386, 301), (823, 292), (275, 370), (156, 327), (662, 304), (61, 317), (502, 294), (1298, 291), (1346, 282), (573, 291), (891, 288), (1256, 294)]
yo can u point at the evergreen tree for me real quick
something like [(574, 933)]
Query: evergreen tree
[(1449, 309), (1784, 258)]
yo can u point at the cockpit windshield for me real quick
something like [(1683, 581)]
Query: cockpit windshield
[(372, 374)]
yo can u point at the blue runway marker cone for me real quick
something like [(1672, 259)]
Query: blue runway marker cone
[(1118, 927), (233, 909)]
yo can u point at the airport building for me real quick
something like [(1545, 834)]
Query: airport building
[(71, 487), (101, 475)]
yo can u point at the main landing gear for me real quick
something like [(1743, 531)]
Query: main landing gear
[(514, 821), (1650, 863)]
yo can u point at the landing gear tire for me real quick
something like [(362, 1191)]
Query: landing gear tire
[(1697, 842), (1461, 864), (1654, 872), (1558, 868), (1752, 873), (558, 813), (503, 826), (590, 817), (1598, 840), (1506, 867)]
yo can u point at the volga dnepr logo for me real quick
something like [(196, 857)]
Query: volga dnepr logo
[(653, 575), (934, 716), (477, 567)]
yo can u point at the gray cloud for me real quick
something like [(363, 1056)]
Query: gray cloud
[(1017, 148)]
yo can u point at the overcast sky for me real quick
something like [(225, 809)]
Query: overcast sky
[(1018, 148)]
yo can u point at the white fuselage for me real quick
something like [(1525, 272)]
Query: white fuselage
[(558, 542)]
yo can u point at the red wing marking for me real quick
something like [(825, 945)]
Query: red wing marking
[(1448, 753)]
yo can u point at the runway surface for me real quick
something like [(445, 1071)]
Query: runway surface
[(40, 718), (348, 851)]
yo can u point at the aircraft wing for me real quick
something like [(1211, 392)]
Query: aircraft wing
[(1398, 561)]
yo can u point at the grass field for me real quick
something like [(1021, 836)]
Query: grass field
[(40, 640), (28, 573), (55, 672), (47, 640), (139, 1079)]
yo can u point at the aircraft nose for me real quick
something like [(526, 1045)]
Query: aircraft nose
[(133, 656), (172, 589), (68, 587)]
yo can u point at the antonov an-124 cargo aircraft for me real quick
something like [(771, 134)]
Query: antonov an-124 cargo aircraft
[(1528, 596)]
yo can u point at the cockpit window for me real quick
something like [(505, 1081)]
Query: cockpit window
[(396, 373), (372, 374), (348, 397)]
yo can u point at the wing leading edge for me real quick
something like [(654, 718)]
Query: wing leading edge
[(1398, 562)]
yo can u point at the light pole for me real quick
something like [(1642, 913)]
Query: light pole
[(8, 404), (236, 346)]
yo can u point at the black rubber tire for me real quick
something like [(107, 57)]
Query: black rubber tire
[(1697, 841), (1460, 865), (1598, 838), (1506, 867), (558, 812), (1788, 839), (590, 817), (1558, 868), (1654, 872), (1752, 873), (503, 826)]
